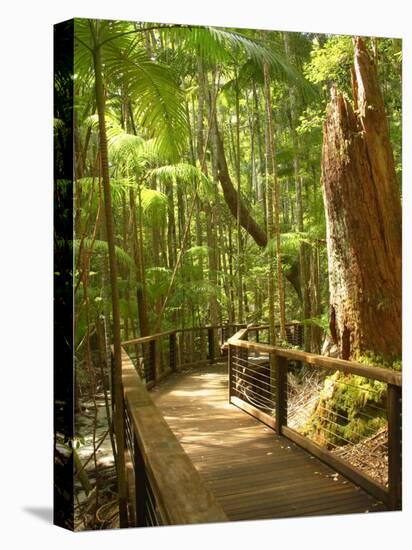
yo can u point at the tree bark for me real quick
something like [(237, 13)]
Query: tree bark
[(231, 196), (363, 215)]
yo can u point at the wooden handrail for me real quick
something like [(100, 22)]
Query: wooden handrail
[(146, 339), (180, 493), (348, 367), (149, 338), (152, 350), (240, 334)]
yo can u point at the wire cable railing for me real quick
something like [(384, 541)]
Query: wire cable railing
[(345, 413)]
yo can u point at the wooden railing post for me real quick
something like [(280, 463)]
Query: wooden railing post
[(172, 351), (211, 344), (394, 447), (230, 371), (154, 358), (140, 485), (281, 393)]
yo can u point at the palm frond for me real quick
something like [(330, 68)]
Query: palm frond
[(182, 172), (102, 247), (218, 45), (154, 205), (157, 99)]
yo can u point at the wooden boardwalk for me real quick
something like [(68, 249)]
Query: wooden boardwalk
[(253, 473)]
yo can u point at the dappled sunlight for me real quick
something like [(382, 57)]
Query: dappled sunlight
[(193, 393)]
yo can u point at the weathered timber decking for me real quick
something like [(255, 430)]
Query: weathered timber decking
[(253, 473)]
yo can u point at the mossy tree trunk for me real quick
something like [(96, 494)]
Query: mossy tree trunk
[(363, 215)]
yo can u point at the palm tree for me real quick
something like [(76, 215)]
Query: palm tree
[(107, 44)]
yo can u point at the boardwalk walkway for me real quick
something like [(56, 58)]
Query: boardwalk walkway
[(253, 473)]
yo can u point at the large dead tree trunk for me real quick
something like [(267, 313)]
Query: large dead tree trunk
[(363, 215)]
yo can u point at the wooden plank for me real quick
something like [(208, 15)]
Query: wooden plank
[(350, 472), (306, 500)]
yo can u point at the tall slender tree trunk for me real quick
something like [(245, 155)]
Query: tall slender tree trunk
[(118, 391), (303, 247), (261, 185), (239, 231), (316, 306), (138, 260), (363, 215), (273, 209)]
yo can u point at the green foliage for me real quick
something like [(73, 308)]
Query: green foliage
[(290, 242), (374, 360), (197, 252), (331, 62), (155, 84), (311, 120), (183, 174), (154, 205), (158, 99), (158, 279), (321, 321), (101, 247)]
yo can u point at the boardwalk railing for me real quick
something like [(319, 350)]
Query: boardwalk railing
[(158, 355), (164, 487), (264, 381)]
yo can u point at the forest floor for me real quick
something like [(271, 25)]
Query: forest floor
[(97, 508), (370, 456)]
